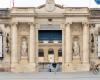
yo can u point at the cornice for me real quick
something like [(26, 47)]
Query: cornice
[(76, 14), (49, 15), (22, 14)]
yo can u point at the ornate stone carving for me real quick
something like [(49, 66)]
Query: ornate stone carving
[(85, 24), (7, 43), (50, 5), (24, 47), (7, 34), (92, 33), (23, 29), (76, 47)]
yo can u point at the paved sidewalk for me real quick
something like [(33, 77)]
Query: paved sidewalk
[(49, 76)]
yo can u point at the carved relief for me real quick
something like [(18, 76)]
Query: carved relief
[(23, 35), (7, 38), (50, 5), (24, 47), (76, 47), (23, 29), (92, 30), (76, 29)]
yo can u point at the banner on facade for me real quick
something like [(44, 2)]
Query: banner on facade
[(1, 46), (98, 46), (49, 27)]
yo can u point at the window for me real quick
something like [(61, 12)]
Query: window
[(50, 35), (60, 52), (50, 51), (41, 53)]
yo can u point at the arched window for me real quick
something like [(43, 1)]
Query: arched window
[(51, 51), (41, 53), (60, 52)]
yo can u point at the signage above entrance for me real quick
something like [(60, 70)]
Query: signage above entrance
[(49, 27)]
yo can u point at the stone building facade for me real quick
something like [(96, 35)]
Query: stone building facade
[(22, 50)]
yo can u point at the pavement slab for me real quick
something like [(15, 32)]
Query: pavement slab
[(49, 76)]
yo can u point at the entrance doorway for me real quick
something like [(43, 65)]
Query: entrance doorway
[(51, 42), (51, 55)]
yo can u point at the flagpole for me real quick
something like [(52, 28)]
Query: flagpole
[(13, 3)]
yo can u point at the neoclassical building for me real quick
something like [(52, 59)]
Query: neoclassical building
[(49, 37)]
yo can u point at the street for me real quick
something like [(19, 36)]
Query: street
[(49, 76)]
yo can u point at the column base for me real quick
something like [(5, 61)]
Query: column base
[(86, 66), (14, 67), (66, 67), (73, 67), (29, 67), (33, 67)]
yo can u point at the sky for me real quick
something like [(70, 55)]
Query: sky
[(35, 3)]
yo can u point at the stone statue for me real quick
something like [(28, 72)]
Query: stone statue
[(76, 48), (50, 5), (24, 47), (50, 1)]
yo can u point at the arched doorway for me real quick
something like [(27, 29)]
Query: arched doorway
[(51, 55)]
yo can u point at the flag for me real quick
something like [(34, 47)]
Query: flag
[(94, 3), (97, 1)]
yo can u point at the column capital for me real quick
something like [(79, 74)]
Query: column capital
[(14, 23), (68, 23), (8, 25), (85, 23), (31, 23), (92, 25)]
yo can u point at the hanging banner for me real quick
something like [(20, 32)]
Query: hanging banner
[(98, 46), (1, 46)]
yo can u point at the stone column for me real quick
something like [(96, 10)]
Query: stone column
[(32, 44), (32, 48), (85, 43), (63, 47), (56, 54), (68, 54), (14, 56), (45, 54)]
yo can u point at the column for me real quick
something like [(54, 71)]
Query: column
[(13, 45), (86, 43), (45, 54), (68, 57), (56, 55), (32, 44)]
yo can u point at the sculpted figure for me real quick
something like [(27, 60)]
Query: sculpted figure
[(50, 1), (24, 47), (76, 48)]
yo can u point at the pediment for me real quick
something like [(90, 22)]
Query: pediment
[(42, 9), (56, 5)]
